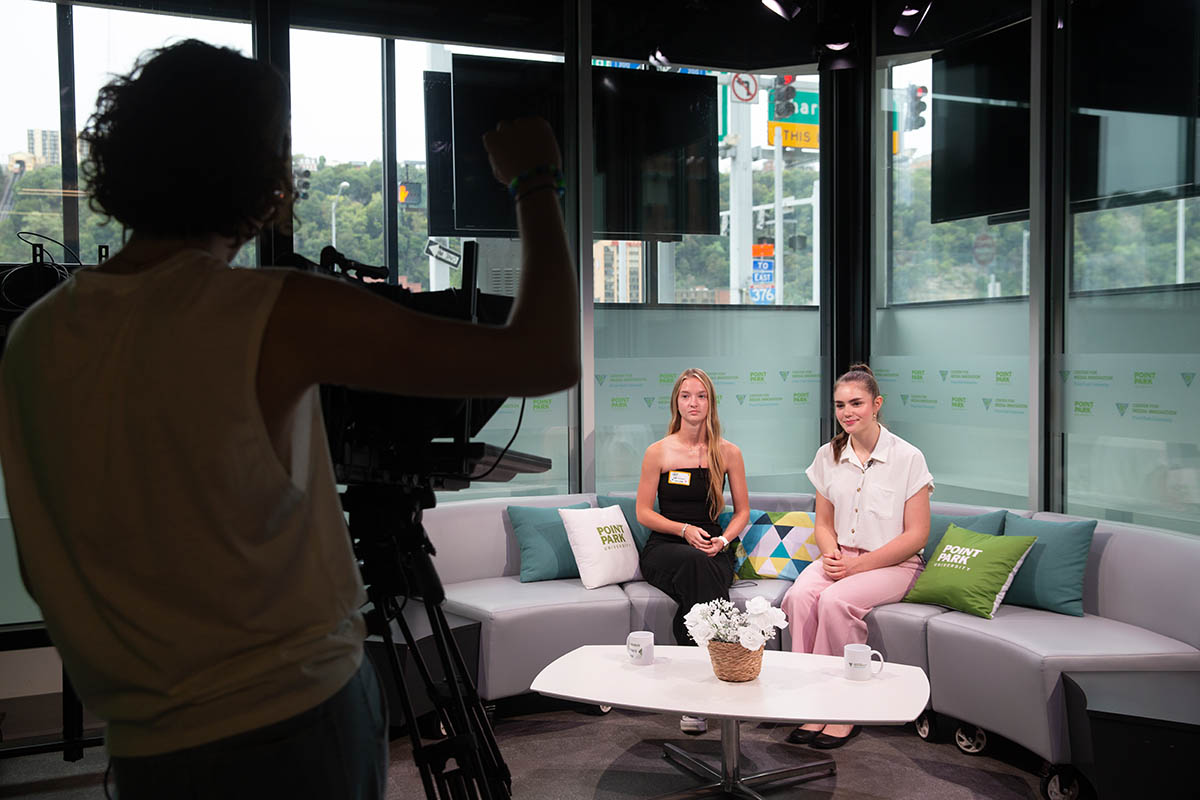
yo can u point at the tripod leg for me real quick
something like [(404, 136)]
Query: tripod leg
[(385, 632), (474, 704)]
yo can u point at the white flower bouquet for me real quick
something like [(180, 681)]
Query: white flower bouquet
[(721, 621)]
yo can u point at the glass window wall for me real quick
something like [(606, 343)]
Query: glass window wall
[(1129, 403), (741, 304), (950, 327)]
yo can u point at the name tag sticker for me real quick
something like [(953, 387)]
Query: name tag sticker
[(679, 478)]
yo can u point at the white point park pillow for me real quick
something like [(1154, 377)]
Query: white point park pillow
[(602, 543)]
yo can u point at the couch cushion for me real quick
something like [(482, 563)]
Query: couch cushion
[(775, 544), (1160, 594), (970, 571), (992, 522), (525, 626), (641, 534), (474, 538), (1051, 577), (602, 544), (546, 552), (1004, 673), (898, 630)]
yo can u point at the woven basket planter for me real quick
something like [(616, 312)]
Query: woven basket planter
[(734, 663)]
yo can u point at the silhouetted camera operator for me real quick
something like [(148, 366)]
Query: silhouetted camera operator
[(163, 450)]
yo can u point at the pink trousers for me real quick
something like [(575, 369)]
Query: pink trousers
[(826, 615)]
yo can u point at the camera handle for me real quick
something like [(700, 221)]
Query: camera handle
[(394, 557)]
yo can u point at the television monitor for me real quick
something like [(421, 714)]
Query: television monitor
[(654, 153), (980, 127), (1130, 139)]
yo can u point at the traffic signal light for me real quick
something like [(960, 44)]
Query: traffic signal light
[(410, 193), (785, 99), (301, 183), (916, 107)]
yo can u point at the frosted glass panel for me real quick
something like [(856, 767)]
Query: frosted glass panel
[(1131, 420), (765, 367), (955, 380)]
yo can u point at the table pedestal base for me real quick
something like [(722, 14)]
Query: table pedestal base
[(730, 781)]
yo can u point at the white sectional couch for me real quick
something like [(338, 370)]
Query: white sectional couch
[(1141, 604)]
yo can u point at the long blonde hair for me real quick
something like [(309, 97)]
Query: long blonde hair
[(712, 429)]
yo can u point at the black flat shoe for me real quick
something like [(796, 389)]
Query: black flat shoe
[(824, 741), (801, 736)]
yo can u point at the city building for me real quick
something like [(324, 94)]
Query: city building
[(617, 267), (45, 145)]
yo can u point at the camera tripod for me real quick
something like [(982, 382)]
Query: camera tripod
[(394, 556)]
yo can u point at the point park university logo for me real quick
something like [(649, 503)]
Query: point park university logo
[(611, 534), (957, 557)]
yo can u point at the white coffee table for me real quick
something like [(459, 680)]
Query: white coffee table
[(792, 687)]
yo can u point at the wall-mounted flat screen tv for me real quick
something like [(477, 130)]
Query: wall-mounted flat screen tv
[(1131, 138), (654, 146)]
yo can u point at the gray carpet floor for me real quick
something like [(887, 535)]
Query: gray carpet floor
[(562, 753)]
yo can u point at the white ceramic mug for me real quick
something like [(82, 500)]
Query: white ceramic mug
[(640, 645), (858, 661)]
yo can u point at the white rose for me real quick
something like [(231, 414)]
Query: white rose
[(702, 632), (751, 638), (758, 605)]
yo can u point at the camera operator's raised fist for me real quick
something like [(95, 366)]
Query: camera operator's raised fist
[(519, 146)]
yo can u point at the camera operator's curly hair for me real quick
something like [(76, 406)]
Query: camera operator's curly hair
[(193, 141)]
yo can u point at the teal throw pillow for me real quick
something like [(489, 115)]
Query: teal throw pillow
[(641, 534), (991, 522), (776, 544), (545, 549), (1052, 576), (970, 572)]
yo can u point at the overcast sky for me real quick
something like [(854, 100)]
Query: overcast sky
[(336, 85)]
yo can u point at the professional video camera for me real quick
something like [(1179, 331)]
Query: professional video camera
[(377, 438), (392, 452)]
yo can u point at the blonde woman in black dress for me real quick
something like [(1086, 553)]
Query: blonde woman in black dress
[(688, 555)]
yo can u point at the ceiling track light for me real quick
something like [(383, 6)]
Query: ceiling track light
[(785, 8), (837, 50), (912, 14), (658, 60)]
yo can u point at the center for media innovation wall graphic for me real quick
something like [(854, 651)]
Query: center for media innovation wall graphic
[(988, 392), (1136, 396), (638, 390)]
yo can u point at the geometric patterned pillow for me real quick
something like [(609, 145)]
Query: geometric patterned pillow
[(776, 544)]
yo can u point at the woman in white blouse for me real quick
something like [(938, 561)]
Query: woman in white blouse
[(872, 519)]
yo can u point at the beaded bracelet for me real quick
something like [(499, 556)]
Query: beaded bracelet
[(559, 184)]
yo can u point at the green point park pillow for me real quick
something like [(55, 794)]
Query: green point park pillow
[(545, 549), (992, 522), (970, 572), (1052, 576)]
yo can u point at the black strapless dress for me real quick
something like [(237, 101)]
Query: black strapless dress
[(686, 503), (670, 564)]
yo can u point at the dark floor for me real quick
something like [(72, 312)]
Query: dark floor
[(559, 752)]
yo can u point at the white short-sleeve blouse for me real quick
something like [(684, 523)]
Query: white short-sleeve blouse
[(868, 500)]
